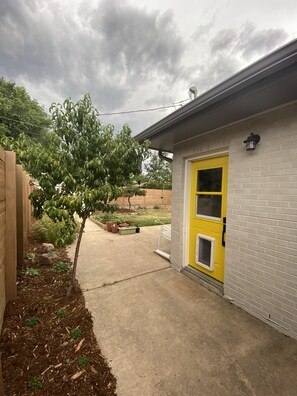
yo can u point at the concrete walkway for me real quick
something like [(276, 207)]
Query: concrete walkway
[(164, 334)]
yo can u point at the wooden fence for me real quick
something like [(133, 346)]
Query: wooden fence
[(152, 197), (15, 223)]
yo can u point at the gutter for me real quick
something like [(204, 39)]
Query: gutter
[(270, 64)]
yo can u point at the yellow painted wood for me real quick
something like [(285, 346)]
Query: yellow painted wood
[(208, 226)]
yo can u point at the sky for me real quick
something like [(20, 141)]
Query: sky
[(135, 54)]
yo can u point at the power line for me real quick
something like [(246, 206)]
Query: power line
[(102, 114), (145, 110)]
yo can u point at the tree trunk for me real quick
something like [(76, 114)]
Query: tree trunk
[(129, 203), (73, 277)]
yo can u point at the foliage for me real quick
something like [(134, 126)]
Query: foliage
[(132, 190), (31, 322), (31, 256), (106, 217), (33, 272), (82, 168), (82, 361), (19, 113), (34, 383), (61, 313), (158, 173), (75, 333), (143, 218), (61, 267), (59, 233)]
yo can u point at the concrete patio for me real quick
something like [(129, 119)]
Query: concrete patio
[(165, 334)]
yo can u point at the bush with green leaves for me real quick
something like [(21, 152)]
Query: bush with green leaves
[(58, 233)]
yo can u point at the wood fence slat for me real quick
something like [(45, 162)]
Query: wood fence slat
[(20, 215), (11, 224)]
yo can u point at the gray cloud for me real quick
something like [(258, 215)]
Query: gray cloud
[(248, 41), (107, 51)]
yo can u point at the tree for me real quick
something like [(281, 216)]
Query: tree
[(132, 190), (83, 167), (158, 173), (19, 113)]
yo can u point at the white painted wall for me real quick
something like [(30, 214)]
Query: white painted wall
[(261, 238)]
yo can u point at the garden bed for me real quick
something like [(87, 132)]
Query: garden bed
[(141, 217), (47, 343)]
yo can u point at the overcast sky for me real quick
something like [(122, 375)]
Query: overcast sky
[(135, 54)]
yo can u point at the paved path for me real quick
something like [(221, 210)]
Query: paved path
[(164, 334)]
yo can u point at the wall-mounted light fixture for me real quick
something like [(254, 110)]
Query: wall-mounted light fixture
[(251, 142)]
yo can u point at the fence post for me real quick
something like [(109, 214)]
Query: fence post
[(11, 234), (2, 235), (20, 215)]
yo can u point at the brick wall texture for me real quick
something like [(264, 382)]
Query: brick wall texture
[(261, 238)]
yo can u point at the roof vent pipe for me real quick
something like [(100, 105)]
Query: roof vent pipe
[(193, 92)]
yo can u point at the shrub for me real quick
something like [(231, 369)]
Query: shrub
[(57, 233)]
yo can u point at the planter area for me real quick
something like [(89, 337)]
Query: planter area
[(117, 227)]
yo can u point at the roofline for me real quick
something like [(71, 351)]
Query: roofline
[(264, 67)]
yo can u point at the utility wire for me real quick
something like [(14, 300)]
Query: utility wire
[(103, 114)]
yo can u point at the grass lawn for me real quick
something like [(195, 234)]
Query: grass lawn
[(141, 217)]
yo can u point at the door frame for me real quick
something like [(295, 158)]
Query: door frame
[(187, 197)]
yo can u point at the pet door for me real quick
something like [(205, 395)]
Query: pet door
[(205, 247)]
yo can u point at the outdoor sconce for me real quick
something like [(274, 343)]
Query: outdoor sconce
[(251, 142)]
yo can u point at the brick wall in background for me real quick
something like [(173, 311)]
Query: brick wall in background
[(261, 237)]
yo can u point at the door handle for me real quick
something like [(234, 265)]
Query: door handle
[(224, 231)]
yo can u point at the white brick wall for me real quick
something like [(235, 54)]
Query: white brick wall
[(261, 239)]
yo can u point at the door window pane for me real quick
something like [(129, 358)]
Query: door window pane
[(204, 255), (209, 205), (209, 180)]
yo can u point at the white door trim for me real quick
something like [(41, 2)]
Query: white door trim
[(187, 189)]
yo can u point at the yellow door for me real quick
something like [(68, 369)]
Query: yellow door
[(208, 216)]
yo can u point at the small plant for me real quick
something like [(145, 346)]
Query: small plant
[(61, 267), (26, 288), (31, 322), (32, 272), (75, 333), (156, 207), (82, 361), (34, 383), (31, 256), (61, 313)]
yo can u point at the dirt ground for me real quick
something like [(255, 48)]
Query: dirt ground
[(47, 343)]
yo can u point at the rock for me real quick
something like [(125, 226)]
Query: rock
[(47, 258), (47, 247)]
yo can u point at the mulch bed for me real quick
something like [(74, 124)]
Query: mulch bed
[(59, 354)]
